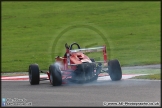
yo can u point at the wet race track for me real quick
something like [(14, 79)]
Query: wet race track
[(102, 92)]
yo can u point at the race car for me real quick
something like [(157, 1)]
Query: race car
[(75, 66)]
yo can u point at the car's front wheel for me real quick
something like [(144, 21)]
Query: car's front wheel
[(34, 75)]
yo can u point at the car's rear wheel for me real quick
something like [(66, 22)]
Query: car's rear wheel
[(114, 70), (55, 75), (34, 75)]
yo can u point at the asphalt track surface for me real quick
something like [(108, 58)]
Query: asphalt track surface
[(89, 94)]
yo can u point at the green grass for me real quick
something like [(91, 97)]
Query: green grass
[(150, 77), (153, 74), (30, 28), (142, 71)]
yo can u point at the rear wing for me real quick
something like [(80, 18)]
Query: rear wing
[(87, 50)]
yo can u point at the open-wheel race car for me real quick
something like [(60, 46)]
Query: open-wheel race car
[(75, 66)]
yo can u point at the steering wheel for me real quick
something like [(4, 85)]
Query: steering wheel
[(71, 46)]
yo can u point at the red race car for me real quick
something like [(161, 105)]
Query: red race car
[(76, 66)]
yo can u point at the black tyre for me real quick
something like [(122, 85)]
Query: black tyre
[(55, 75), (114, 70), (34, 75)]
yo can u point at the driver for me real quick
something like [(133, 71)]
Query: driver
[(67, 47)]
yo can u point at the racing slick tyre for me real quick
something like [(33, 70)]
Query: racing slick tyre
[(55, 75), (114, 70), (34, 75)]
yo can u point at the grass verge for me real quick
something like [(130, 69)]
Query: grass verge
[(29, 31), (150, 77)]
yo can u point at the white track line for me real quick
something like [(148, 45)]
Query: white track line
[(26, 78)]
